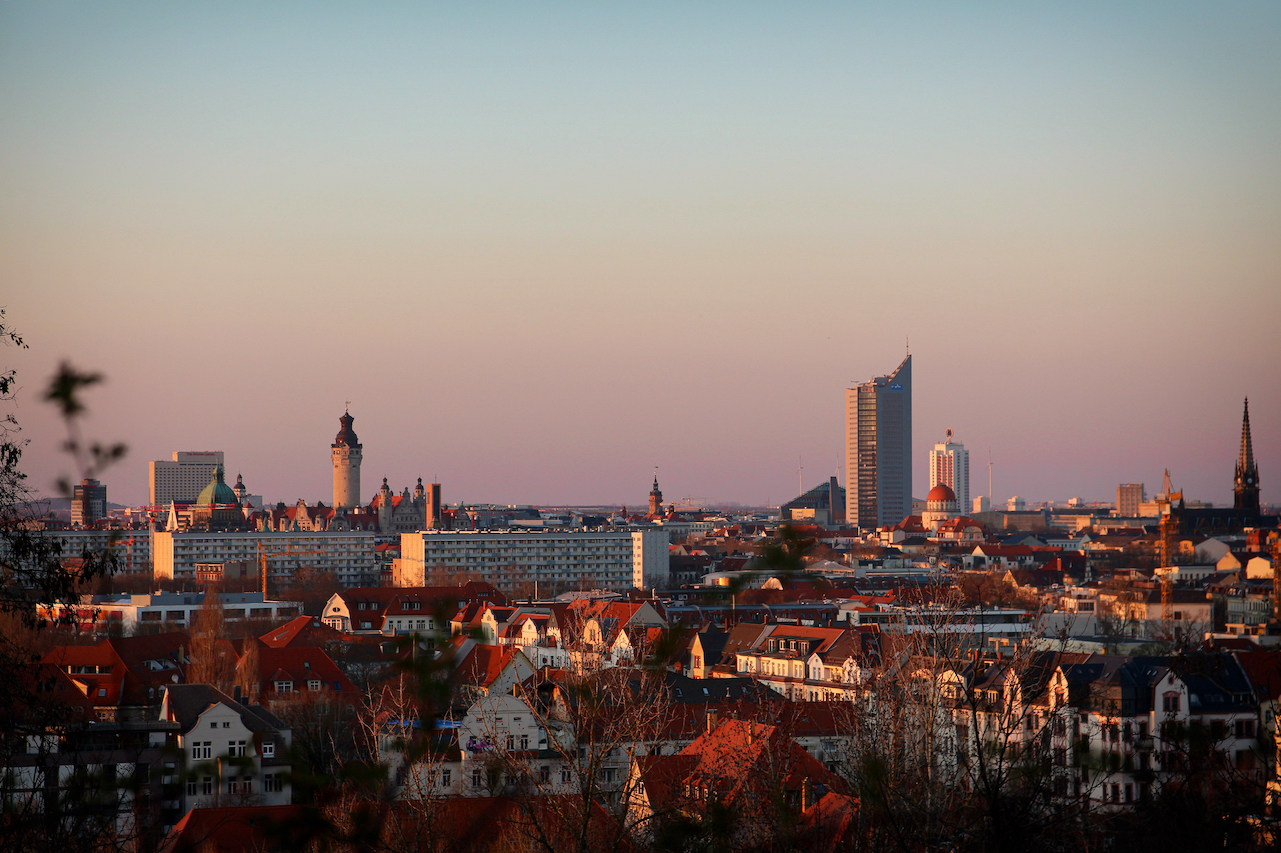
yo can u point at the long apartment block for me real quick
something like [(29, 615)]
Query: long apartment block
[(615, 560), (348, 555)]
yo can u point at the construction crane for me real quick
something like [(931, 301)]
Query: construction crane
[(289, 552)]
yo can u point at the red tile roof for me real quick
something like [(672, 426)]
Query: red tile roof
[(302, 631)]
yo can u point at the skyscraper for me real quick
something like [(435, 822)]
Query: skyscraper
[(88, 502), (878, 449), (950, 466), (181, 480)]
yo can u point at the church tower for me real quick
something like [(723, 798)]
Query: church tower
[(655, 498), (346, 455), (1246, 485)]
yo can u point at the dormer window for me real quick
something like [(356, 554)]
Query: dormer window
[(284, 686), (313, 685)]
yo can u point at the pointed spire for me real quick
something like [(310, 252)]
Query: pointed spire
[(1246, 486), (1246, 460)]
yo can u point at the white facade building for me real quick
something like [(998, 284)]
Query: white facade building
[(348, 555), (182, 479), (651, 562), (231, 754), (132, 548), (950, 466), (102, 612), (552, 558)]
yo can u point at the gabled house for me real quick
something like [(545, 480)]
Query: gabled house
[(752, 770), (390, 610), (482, 669), (229, 753), (125, 677), (293, 673)]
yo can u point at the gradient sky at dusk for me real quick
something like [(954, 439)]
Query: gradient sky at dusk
[(543, 248)]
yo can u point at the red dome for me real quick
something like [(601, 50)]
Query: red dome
[(941, 492)]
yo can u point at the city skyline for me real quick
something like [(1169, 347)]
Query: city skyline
[(543, 251)]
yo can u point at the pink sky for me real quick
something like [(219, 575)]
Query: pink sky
[(544, 251)]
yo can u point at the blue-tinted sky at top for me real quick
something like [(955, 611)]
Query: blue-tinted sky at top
[(545, 248)]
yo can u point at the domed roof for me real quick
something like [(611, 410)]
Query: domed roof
[(941, 492), (217, 492), (346, 435)]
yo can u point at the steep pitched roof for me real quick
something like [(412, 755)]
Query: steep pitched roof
[(740, 761), (240, 829), (482, 664), (300, 664), (302, 631), (184, 703)]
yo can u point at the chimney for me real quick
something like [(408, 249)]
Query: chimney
[(712, 719)]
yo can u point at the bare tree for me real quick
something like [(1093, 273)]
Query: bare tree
[(213, 659)]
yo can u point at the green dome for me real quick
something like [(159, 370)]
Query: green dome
[(217, 492)]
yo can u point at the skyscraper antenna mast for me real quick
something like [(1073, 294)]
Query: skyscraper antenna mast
[(989, 476)]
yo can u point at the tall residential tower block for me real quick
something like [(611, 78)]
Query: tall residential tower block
[(878, 449), (950, 466)]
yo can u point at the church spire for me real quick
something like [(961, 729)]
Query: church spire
[(1246, 485)]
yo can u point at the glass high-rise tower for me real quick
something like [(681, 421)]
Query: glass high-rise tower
[(878, 449)]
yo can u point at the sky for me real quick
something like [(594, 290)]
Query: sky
[(546, 248)]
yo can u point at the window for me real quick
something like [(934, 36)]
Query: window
[(213, 725), (206, 785), (564, 776), (475, 778), (272, 783), (511, 741), (226, 725), (1127, 732), (202, 750), (1245, 728), (268, 749), (544, 775), (445, 777), (191, 788), (1170, 703), (236, 748), (524, 742), (313, 684)]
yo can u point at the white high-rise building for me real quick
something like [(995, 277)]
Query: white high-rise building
[(950, 466), (182, 480)]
